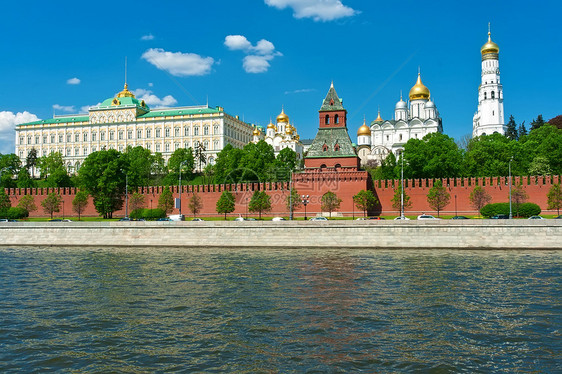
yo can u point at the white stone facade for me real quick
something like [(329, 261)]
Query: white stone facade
[(280, 136)]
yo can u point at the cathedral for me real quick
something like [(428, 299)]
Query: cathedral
[(280, 136), (489, 118), (412, 120)]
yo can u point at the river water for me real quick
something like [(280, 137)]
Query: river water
[(222, 310)]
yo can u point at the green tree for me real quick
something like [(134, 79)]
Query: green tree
[(183, 157), (102, 175), (540, 166), (51, 203), (438, 197), (166, 200), (521, 130), (518, 197), (387, 170), (397, 199), (10, 165), (479, 197), (294, 200), (284, 164), (58, 178), (27, 202), (554, 197), (227, 167), (260, 202), (195, 204), (141, 165), (544, 142), (200, 155), (330, 202), (24, 179), (364, 200), (226, 203), (435, 156), (5, 204), (49, 163), (537, 123), (136, 201), (31, 161), (489, 156), (511, 129), (80, 202), (257, 162)]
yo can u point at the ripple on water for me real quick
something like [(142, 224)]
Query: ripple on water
[(149, 310)]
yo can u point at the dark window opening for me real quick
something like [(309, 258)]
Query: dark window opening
[(327, 119), (336, 119)]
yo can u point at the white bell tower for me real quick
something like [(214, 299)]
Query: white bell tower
[(489, 118)]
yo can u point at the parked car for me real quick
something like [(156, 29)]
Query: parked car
[(277, 219), (559, 217), (177, 217), (500, 216), (164, 219), (378, 218), (319, 219), (125, 219), (401, 218), (197, 220), (460, 217), (536, 217), (239, 218), (426, 217)]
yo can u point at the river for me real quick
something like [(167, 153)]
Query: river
[(269, 311)]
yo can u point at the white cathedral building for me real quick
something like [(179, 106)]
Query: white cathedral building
[(280, 136), (489, 118), (412, 120)]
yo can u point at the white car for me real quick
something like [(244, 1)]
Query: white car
[(319, 219), (536, 217), (239, 219), (401, 218), (277, 219), (426, 217)]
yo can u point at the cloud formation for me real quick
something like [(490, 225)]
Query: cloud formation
[(73, 81), (318, 10), (63, 108), (8, 122), (177, 63), (302, 90), (147, 37), (258, 56), (154, 101)]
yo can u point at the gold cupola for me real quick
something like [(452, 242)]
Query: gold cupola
[(256, 132), (271, 125), (379, 118), (126, 92), (489, 47), (364, 130), (419, 91), (289, 129), (282, 117)]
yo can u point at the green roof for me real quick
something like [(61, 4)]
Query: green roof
[(332, 101), (178, 112), (330, 137), (124, 101), (58, 120)]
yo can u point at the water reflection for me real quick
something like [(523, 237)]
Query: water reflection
[(151, 310)]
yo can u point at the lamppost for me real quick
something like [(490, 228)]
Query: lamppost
[(150, 204), (126, 195), (291, 196), (179, 186), (305, 201), (402, 187), (247, 202), (456, 214), (63, 209), (510, 211)]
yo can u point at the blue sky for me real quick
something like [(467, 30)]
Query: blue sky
[(254, 56)]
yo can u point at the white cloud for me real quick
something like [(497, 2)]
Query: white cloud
[(147, 37), (152, 100), (178, 63), (8, 122), (318, 10), (150, 84), (63, 108), (73, 81), (302, 90), (257, 60)]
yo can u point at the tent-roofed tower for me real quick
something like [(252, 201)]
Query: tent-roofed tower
[(332, 147)]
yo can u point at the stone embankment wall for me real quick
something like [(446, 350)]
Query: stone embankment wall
[(344, 184), (471, 234)]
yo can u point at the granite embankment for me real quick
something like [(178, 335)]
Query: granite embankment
[(473, 234)]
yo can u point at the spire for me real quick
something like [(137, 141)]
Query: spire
[(332, 101), (379, 118)]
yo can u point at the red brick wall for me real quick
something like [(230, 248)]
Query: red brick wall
[(344, 183)]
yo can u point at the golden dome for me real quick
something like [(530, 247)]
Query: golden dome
[(490, 46), (126, 92), (364, 130), (419, 91), (379, 118), (282, 117), (256, 131), (289, 130), (271, 126)]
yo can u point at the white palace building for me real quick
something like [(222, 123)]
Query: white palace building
[(123, 121), (412, 120), (280, 136)]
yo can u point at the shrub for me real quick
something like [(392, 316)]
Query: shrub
[(152, 214), (17, 213), (525, 209), (137, 213)]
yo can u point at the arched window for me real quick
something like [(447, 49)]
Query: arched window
[(336, 147), (337, 166), (325, 147), (336, 119), (485, 96), (327, 119), (323, 166), (493, 94)]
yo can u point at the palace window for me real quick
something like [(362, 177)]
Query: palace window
[(94, 148), (139, 134), (85, 151), (186, 131), (206, 130), (186, 145), (206, 144), (149, 147), (29, 140), (68, 138), (94, 136), (176, 146), (215, 129), (148, 133), (196, 131), (111, 135), (68, 151), (400, 137), (120, 148), (158, 131), (120, 134), (167, 132), (36, 139), (129, 134), (44, 139), (167, 147), (177, 131), (60, 138), (76, 138), (76, 151), (102, 136), (216, 145), (157, 147), (85, 136)]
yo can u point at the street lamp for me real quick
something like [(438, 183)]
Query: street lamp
[(456, 213), (510, 211), (63, 209), (126, 195), (402, 187), (179, 186), (305, 201)]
